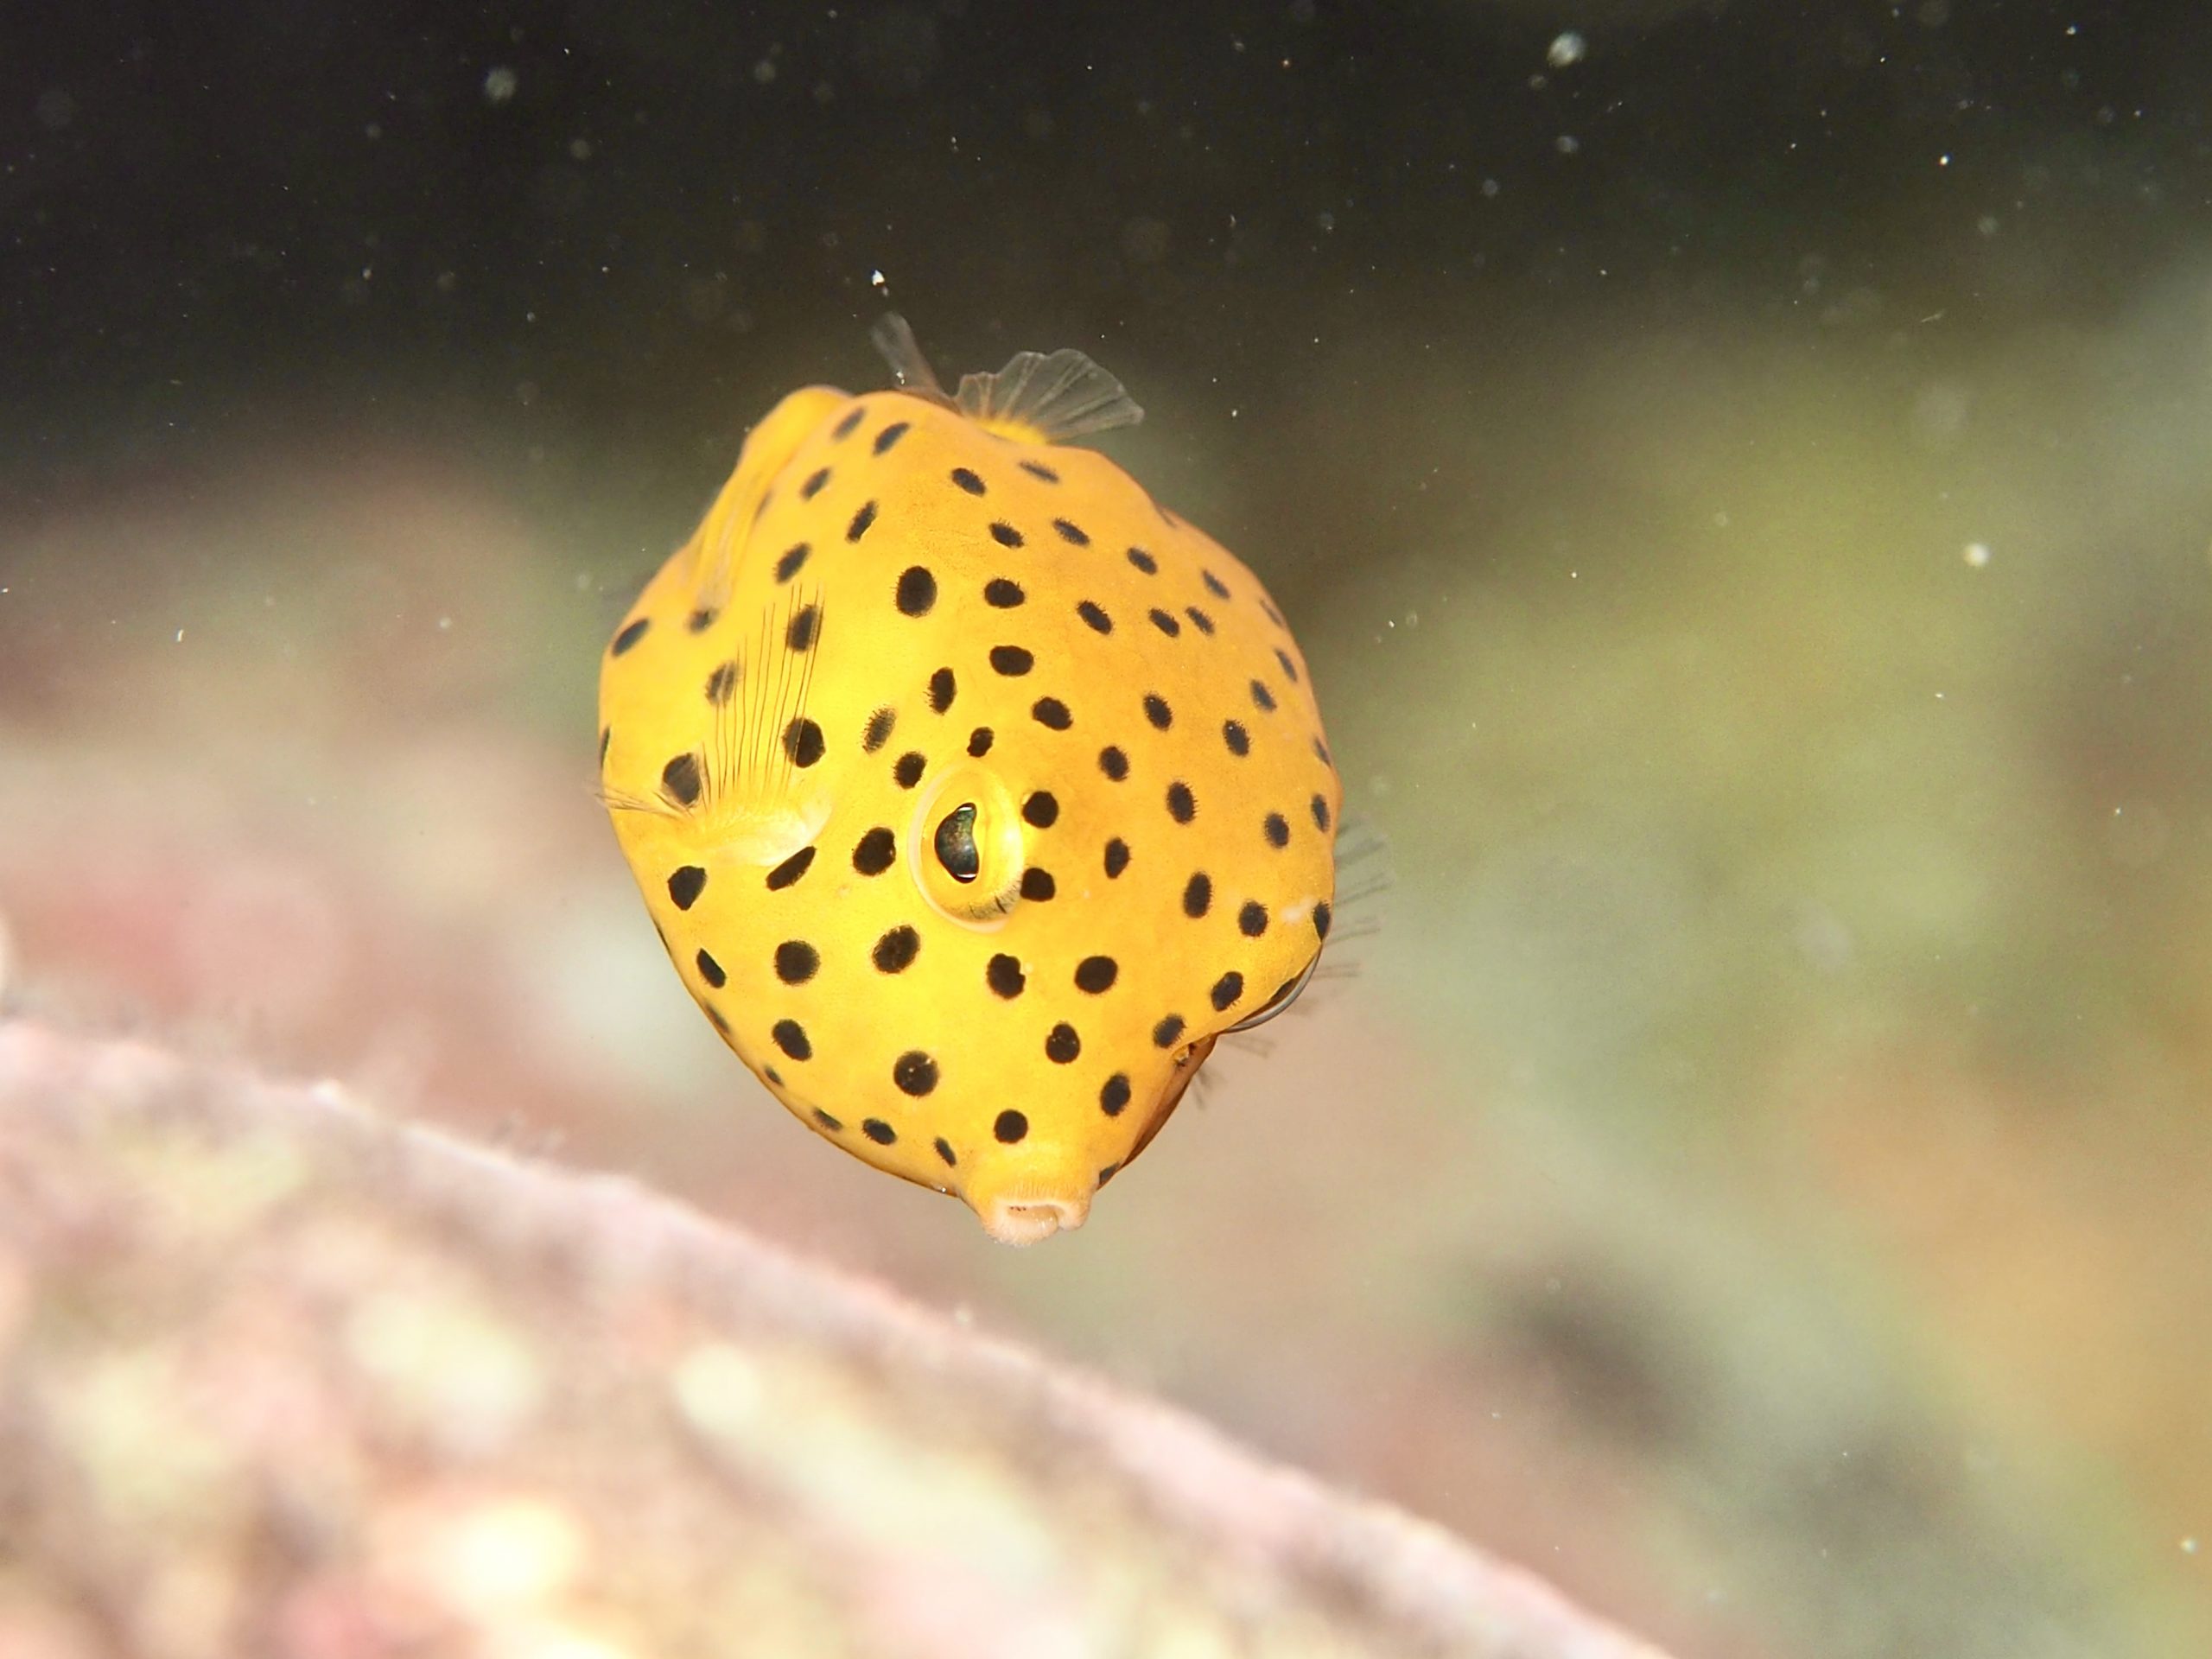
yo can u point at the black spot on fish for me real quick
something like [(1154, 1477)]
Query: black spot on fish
[(875, 852), (679, 779), (1197, 895), (916, 590), (799, 636), (802, 742), (895, 952), (791, 870)]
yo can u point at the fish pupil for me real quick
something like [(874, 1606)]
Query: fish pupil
[(956, 843)]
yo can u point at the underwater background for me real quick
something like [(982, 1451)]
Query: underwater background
[(1741, 475)]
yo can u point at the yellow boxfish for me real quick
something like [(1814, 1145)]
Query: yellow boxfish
[(974, 794)]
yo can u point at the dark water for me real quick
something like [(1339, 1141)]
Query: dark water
[(1740, 473)]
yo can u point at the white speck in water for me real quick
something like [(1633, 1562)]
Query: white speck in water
[(580, 149), (499, 84), (1491, 187), (1324, 220), (1567, 144), (875, 279), (2189, 1546), (1566, 49), (180, 636), (1977, 554), (444, 624)]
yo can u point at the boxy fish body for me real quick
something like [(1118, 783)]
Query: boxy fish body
[(974, 794)]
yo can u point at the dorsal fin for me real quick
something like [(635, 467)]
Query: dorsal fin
[(895, 340), (1063, 396), (1035, 397)]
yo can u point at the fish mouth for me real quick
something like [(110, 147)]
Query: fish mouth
[(1031, 1220)]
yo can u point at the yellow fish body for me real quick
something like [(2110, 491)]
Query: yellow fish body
[(973, 794)]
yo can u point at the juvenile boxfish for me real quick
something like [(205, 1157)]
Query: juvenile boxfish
[(973, 793)]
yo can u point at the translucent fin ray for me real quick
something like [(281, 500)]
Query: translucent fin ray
[(1063, 396), (896, 342), (747, 764)]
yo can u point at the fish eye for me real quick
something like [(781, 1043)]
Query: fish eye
[(956, 843), (1281, 1001)]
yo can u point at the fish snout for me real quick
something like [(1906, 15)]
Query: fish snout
[(1026, 1220)]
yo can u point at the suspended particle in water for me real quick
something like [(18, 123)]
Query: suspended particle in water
[(1977, 554), (499, 83), (1566, 49)]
